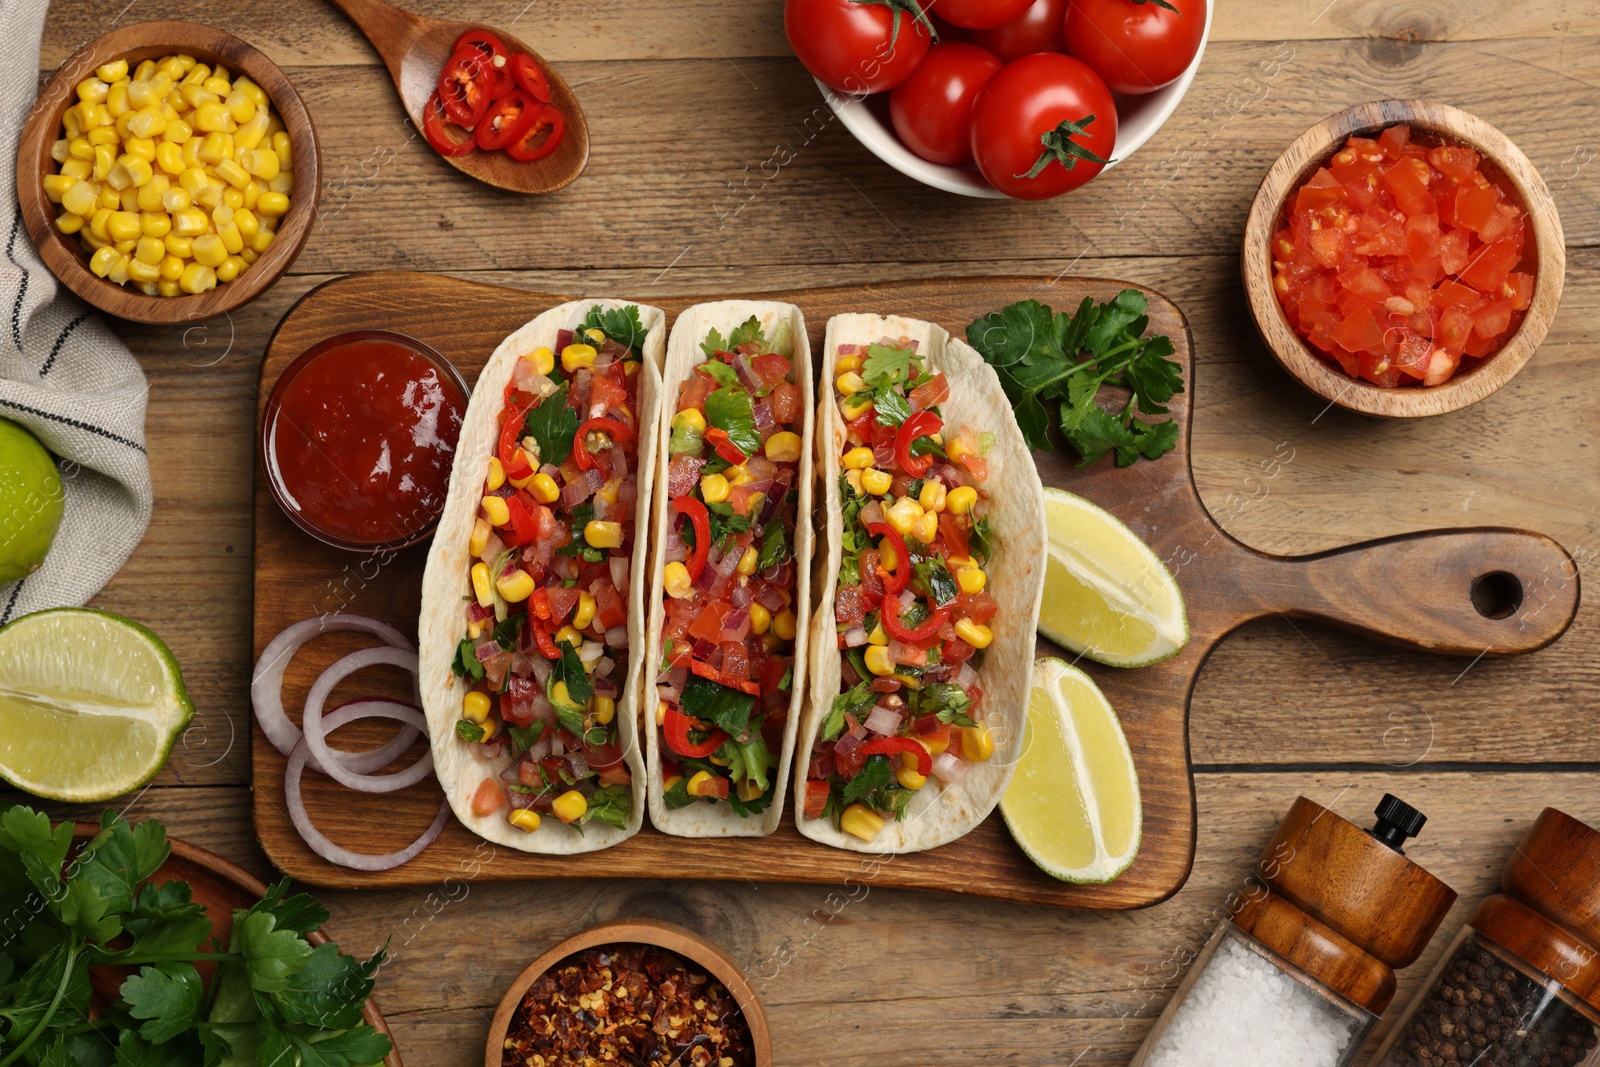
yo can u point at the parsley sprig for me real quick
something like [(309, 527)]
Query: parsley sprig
[(273, 998), (1042, 355)]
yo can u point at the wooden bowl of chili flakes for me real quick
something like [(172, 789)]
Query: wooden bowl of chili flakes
[(631, 991)]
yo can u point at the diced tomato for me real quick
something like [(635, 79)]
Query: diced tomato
[(1322, 190), (516, 703), (683, 474), (605, 395), (1492, 264), (1454, 161), (1393, 141), (488, 798), (695, 390), (1492, 319), (771, 672), (609, 610), (848, 608), (1359, 331), (1474, 206), (1455, 326), (769, 369), (785, 402), (1414, 355), (871, 580), (707, 626), (1408, 181), (717, 787), (859, 430), (816, 799), (1453, 252), (616, 774), (1502, 222), (739, 499), (883, 446), (1519, 287), (979, 607), (1376, 368), (561, 601), (849, 764), (931, 393), (1328, 246)]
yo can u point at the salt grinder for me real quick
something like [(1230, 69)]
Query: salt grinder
[(1302, 971), (1520, 986)]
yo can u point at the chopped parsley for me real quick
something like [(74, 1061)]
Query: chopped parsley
[(466, 664), (622, 325), (553, 424), (728, 409), (720, 705), (746, 332)]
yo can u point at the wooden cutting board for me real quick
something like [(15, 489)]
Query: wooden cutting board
[(1470, 592)]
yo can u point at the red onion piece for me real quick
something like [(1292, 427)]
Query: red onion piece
[(735, 626), (740, 596), (539, 750), (846, 744), (677, 677), (761, 415), (668, 693), (772, 598), (617, 637), (849, 350), (948, 768), (563, 339), (266, 682), (486, 650), (487, 753), (603, 687), (361, 861), (821, 767), (578, 766), (315, 736), (747, 373), (855, 637), (966, 676), (883, 721), (619, 571)]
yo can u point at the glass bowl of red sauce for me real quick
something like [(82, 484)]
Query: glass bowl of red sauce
[(1403, 258), (358, 438)]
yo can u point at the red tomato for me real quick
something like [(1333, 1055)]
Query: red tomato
[(816, 799), (857, 47), (1039, 29), (931, 110), (488, 798), (1042, 126), (980, 14), (1137, 46)]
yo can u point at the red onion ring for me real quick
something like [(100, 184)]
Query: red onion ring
[(361, 861), (324, 758), (266, 682)]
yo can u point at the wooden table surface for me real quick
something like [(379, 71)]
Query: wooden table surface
[(691, 103)]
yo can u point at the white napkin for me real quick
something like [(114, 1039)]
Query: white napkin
[(64, 376)]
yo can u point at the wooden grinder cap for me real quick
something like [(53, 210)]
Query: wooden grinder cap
[(1549, 911), (1363, 907)]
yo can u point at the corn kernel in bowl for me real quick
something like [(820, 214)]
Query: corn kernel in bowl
[(173, 174)]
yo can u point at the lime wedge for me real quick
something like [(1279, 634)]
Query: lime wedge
[(1073, 804), (1106, 594), (90, 704)]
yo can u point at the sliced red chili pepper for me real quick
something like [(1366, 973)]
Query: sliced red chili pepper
[(541, 137), (894, 580), (483, 41), (436, 128), (528, 74), (921, 424), (521, 524), (546, 643), (920, 636), (510, 434), (539, 604), (465, 86), (619, 432), (890, 746), (718, 439), (711, 674), (676, 729), (700, 519), (507, 119), (519, 467)]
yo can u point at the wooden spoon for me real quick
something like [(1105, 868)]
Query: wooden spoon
[(415, 48)]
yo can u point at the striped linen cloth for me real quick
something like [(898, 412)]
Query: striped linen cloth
[(65, 377)]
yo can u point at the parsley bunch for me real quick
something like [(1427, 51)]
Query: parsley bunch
[(273, 998), (1042, 355)]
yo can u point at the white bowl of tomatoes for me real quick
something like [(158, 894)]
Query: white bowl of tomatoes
[(1025, 99)]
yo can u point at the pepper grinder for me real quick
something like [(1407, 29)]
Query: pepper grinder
[(1520, 985), (1300, 973)]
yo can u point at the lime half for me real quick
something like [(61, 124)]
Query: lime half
[(1073, 804), (31, 497), (90, 704), (1106, 594)]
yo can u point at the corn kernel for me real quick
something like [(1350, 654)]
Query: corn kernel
[(78, 169), (149, 195), (231, 268), (179, 245), (878, 662), (850, 383), (143, 273), (971, 579), (858, 820), (961, 499), (605, 709), (783, 447), (747, 561), (603, 534), (150, 250), (56, 186), (583, 614), (699, 784), (661, 716), (926, 528), (907, 774), (171, 266), (252, 132), (544, 488), (116, 104), (976, 743), (689, 420), (524, 819), (577, 356), (737, 475), (232, 173), (481, 586), (675, 578), (858, 459), (240, 106), (260, 162), (148, 122), (81, 198), (852, 478), (494, 507), (478, 540), (854, 407), (285, 150), (209, 250), (783, 624), (877, 636), (68, 222), (876, 482), (903, 515), (760, 618), (975, 634), (844, 363), (933, 496), (123, 226), (119, 268), (113, 71), (496, 476), (283, 183), (714, 488), (102, 260), (475, 706), (569, 807), (178, 133), (110, 198), (94, 90), (197, 278), (515, 585), (98, 220)]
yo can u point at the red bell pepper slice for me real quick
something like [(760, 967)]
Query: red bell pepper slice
[(507, 119), (530, 76), (676, 729), (539, 604), (436, 128), (921, 424), (542, 136), (521, 524), (511, 433), (546, 643), (921, 636), (619, 432), (718, 439), (890, 746), (816, 799), (466, 87), (700, 519), (894, 580), (711, 674)]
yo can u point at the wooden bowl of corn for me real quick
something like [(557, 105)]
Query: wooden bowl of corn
[(169, 172)]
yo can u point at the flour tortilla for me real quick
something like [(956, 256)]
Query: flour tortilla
[(702, 818), (446, 584), (938, 814)]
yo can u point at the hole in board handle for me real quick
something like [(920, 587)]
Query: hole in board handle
[(1497, 595)]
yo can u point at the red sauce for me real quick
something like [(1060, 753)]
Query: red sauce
[(359, 438), (1402, 258)]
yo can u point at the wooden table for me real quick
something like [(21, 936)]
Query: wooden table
[(689, 102)]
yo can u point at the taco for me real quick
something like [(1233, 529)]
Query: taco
[(923, 639), (731, 588), (533, 598)]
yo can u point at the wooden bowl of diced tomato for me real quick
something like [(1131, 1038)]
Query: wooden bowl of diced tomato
[(1403, 258)]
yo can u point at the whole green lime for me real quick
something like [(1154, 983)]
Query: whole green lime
[(31, 502)]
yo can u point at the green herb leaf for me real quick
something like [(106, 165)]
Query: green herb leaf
[(272, 955), (852, 701), (892, 406), (328, 991), (168, 997), (470, 731), (352, 1048), (612, 805), (685, 440), (787, 681), (622, 325), (774, 549), (725, 525), (299, 912), (726, 377), (886, 365), (874, 774), (506, 631), (750, 760), (524, 737), (729, 410), (933, 576), (466, 664), (678, 796), (570, 670), (571, 720), (979, 541), (720, 705), (26, 834), (553, 424)]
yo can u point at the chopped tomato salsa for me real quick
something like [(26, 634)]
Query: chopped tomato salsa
[(1401, 258)]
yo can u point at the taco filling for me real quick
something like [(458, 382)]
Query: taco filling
[(544, 650), (727, 666), (911, 614)]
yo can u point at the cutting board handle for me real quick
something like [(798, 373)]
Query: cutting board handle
[(1472, 592)]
